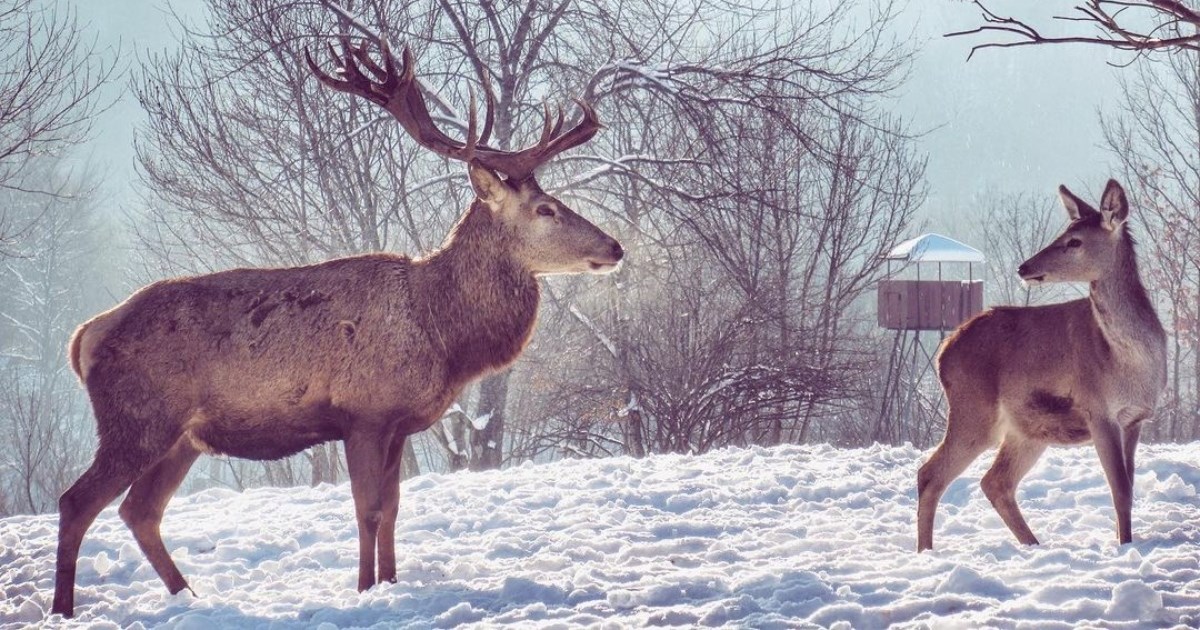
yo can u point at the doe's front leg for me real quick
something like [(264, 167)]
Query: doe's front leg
[(1113, 458)]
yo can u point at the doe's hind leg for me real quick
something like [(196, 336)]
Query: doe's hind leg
[(1016, 457), (953, 455)]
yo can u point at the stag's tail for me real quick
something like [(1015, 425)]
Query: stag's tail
[(73, 349)]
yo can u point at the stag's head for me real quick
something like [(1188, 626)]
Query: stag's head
[(1090, 247), (546, 236)]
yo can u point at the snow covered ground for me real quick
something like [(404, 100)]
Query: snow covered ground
[(764, 538)]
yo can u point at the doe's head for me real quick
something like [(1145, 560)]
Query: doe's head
[(1089, 248)]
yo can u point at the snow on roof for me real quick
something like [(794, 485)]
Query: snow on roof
[(934, 248)]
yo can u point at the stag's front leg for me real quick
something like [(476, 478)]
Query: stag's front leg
[(364, 460), (1107, 436), (390, 500)]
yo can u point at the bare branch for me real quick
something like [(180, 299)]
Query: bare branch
[(1133, 25)]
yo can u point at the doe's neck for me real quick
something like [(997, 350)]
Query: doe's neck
[(1121, 305)]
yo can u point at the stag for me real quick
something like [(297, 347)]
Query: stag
[(1025, 378), (263, 363)]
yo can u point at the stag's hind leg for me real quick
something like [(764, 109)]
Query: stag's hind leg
[(958, 449), (112, 470), (1016, 457), (1129, 443), (142, 510)]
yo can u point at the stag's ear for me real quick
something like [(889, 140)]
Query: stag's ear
[(1114, 207), (1076, 207), (487, 184)]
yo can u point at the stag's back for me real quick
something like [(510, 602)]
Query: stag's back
[(243, 355)]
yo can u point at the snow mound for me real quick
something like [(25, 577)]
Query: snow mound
[(793, 536), (1134, 600)]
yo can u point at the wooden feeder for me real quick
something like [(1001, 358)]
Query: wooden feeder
[(930, 303), (912, 407)]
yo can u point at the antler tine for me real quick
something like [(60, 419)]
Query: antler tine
[(547, 129), (351, 82), (333, 54), (468, 149), (318, 72), (521, 164), (489, 116), (558, 123), (410, 65), (354, 76), (360, 53), (397, 90), (392, 80), (583, 131)]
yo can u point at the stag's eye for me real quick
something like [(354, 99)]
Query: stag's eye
[(545, 211), (1074, 242)]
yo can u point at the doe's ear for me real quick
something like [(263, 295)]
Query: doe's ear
[(487, 184), (1114, 206), (1076, 207)]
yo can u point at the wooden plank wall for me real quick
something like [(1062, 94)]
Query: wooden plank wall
[(928, 304)]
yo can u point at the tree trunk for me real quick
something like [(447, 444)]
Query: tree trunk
[(634, 444), (1195, 415), (1172, 421), (487, 445), (409, 467), (458, 454), (323, 459)]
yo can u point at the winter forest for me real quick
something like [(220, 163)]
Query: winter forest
[(757, 160)]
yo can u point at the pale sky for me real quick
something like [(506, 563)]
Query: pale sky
[(1015, 119)]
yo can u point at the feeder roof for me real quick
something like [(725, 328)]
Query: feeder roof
[(934, 248)]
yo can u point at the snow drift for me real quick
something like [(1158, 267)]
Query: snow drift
[(792, 536)]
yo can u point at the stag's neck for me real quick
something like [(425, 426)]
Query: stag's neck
[(481, 305), (1123, 309)]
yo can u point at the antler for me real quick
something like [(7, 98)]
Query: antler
[(400, 95)]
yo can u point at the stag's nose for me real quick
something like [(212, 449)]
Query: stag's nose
[(616, 251), (1023, 270)]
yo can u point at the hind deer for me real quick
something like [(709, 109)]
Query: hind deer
[(1024, 378), (263, 363)]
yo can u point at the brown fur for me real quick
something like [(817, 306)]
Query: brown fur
[(1025, 378), (73, 350), (263, 363)]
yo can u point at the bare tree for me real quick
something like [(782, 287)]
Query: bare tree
[(50, 77), (43, 418), (1009, 228), (1134, 25), (1155, 136), (740, 326), (787, 222), (257, 166), (803, 242)]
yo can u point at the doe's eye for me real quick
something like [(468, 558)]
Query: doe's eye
[(1074, 242), (545, 211)]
